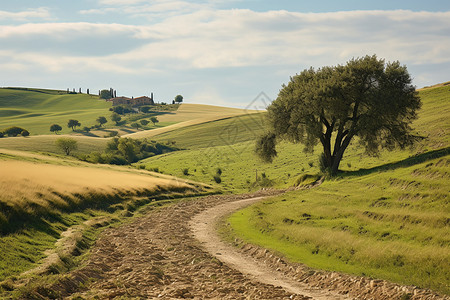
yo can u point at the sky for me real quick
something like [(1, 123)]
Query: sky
[(212, 51)]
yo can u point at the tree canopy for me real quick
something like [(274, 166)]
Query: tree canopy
[(366, 98), (115, 117), (67, 145), (73, 123), (106, 94), (101, 120), (178, 99), (13, 131), (55, 128), (154, 120)]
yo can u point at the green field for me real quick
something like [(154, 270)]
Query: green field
[(385, 217), (229, 144), (35, 110)]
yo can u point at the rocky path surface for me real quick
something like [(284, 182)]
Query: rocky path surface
[(158, 256), (203, 226)]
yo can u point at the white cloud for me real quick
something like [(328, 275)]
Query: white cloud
[(38, 13), (207, 39), (239, 38), (121, 2)]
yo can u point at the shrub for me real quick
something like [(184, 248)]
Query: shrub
[(25, 133), (155, 169), (186, 171), (135, 125), (219, 171), (86, 129), (113, 134), (145, 109), (67, 145), (13, 131), (305, 179), (115, 117), (217, 178), (1, 134)]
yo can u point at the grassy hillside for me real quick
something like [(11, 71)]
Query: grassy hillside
[(229, 151), (391, 224), (46, 143), (190, 115), (36, 110), (44, 195), (223, 132), (385, 217)]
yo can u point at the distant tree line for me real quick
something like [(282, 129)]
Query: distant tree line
[(124, 151)]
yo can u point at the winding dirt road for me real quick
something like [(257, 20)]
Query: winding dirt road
[(173, 252), (203, 226)]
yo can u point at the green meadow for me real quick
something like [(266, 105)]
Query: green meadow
[(35, 110), (384, 217)]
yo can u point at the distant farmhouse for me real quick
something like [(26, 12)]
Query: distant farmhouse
[(139, 101)]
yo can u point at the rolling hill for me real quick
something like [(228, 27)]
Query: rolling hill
[(36, 109)]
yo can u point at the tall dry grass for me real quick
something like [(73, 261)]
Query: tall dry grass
[(36, 190)]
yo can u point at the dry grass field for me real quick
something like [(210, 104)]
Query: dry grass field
[(34, 185)]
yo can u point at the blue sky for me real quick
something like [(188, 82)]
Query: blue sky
[(212, 51)]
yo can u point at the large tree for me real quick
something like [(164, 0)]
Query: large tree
[(366, 98)]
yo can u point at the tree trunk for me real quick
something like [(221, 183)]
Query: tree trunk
[(339, 153)]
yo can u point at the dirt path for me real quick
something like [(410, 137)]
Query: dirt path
[(203, 226), (158, 256)]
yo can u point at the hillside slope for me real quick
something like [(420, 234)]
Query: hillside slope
[(385, 217), (36, 110), (231, 148)]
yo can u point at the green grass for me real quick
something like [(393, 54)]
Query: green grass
[(385, 217), (229, 144), (35, 110), (46, 143), (224, 132), (392, 225)]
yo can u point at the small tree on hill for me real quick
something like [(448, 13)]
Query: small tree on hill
[(144, 122), (154, 120), (55, 128), (366, 98), (118, 109), (67, 145), (101, 120), (135, 125), (178, 99), (106, 94), (73, 123), (115, 117)]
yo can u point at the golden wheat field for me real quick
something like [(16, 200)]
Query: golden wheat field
[(34, 186)]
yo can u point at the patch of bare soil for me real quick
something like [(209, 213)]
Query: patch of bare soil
[(158, 256)]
